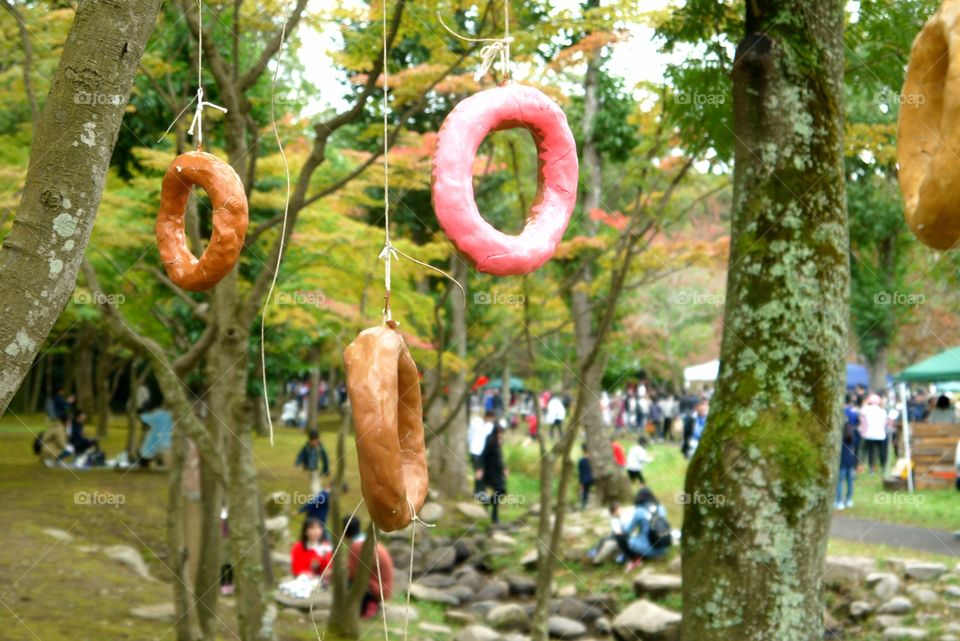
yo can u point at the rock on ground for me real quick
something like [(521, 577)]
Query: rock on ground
[(848, 570), (477, 633), (421, 592), (508, 616), (431, 513), (656, 585), (471, 511), (860, 610), (647, 621), (904, 633), (564, 628), (885, 585), (608, 551), (896, 605), (129, 557), (923, 571)]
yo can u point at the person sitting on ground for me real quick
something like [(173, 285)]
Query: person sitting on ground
[(648, 534), (373, 596), (637, 458), (81, 444), (585, 472), (312, 553)]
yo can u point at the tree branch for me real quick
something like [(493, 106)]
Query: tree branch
[(251, 75), (27, 59)]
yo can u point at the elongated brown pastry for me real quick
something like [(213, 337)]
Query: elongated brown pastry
[(384, 389), (928, 143)]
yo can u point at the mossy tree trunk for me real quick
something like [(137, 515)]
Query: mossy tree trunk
[(69, 157), (756, 526)]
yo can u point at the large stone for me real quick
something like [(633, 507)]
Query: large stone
[(471, 511), (563, 628), (952, 591), (924, 596), (421, 592), (431, 513), (575, 609), (459, 617), (464, 593), (894, 634), (566, 591), (924, 571), (494, 590), (521, 585), (442, 559), (482, 608), (401, 612), (656, 586), (607, 551), (646, 621), (477, 633), (848, 570), (885, 585), (502, 538), (860, 610), (889, 621), (896, 605), (126, 555), (603, 626), (158, 612), (508, 616), (435, 628), (440, 581), (529, 560)]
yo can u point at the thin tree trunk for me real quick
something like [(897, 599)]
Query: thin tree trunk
[(760, 483), (69, 157), (27, 46), (104, 390), (138, 373), (83, 368)]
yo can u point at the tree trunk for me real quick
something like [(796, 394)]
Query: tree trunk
[(138, 373), (83, 368), (448, 460), (71, 150), (104, 390), (878, 368), (760, 485)]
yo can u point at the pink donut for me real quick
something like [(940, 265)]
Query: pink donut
[(507, 107)]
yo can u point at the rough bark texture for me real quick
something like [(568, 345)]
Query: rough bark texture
[(756, 524), (447, 453), (69, 158)]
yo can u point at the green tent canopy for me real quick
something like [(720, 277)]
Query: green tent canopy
[(943, 367)]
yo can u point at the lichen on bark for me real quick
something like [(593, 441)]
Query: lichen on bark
[(753, 554)]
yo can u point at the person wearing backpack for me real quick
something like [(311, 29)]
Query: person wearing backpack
[(848, 456), (648, 533)]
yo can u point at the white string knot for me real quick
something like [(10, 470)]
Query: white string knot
[(197, 123), (489, 54)]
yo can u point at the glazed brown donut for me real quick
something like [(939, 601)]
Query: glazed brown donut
[(229, 202), (384, 389), (928, 142)]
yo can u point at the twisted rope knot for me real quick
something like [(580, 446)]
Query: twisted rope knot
[(489, 54)]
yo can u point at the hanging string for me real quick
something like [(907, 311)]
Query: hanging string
[(196, 125), (376, 555), (283, 228), (496, 47), (336, 549), (413, 545), (390, 253)]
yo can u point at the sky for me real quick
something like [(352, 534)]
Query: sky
[(640, 46)]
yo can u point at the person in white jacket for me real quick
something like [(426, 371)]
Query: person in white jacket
[(636, 459), (556, 415)]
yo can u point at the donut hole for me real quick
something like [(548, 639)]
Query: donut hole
[(505, 178), (200, 204)]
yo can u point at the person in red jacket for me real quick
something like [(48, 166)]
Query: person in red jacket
[(312, 553), (371, 600), (619, 456)]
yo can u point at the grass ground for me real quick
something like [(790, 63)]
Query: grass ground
[(69, 591)]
